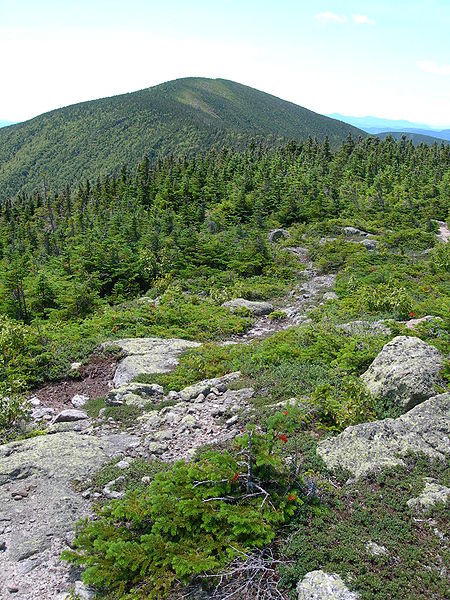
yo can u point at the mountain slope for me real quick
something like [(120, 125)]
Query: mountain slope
[(182, 116)]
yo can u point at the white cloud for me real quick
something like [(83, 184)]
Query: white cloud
[(329, 17), (362, 20), (429, 66)]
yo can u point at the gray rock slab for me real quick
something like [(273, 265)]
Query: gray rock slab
[(365, 448), (40, 505), (148, 356), (405, 371), (256, 308)]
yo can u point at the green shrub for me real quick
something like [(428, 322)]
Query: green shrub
[(13, 414), (386, 298), (344, 404), (277, 315), (193, 518)]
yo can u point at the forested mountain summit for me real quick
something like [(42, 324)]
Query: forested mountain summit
[(181, 117)]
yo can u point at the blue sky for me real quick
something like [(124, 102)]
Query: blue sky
[(385, 58)]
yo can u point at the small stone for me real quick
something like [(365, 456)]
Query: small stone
[(215, 391), (431, 495), (69, 538), (19, 494), (164, 434), (413, 323), (82, 592), (46, 413), (221, 388), (318, 585), (200, 398), (2, 545), (277, 234), (370, 245), (375, 549), (157, 448), (75, 366), (123, 464), (330, 296), (12, 588), (232, 420), (173, 395), (34, 401), (189, 421), (354, 231), (146, 479), (113, 495), (79, 400), (151, 420), (69, 415)]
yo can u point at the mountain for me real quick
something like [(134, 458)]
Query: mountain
[(183, 116), (377, 123), (375, 126)]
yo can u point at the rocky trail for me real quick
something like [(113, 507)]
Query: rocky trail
[(39, 504), (444, 231), (293, 310)]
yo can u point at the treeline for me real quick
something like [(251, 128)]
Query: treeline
[(64, 252)]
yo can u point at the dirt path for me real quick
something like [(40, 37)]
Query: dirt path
[(93, 380)]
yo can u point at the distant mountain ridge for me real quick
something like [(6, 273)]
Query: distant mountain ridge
[(4, 123), (183, 117), (375, 126), (416, 138)]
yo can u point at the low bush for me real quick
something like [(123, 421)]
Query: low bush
[(343, 404), (192, 519), (14, 413)]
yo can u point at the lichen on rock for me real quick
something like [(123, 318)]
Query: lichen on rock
[(318, 585), (362, 449), (405, 372)]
